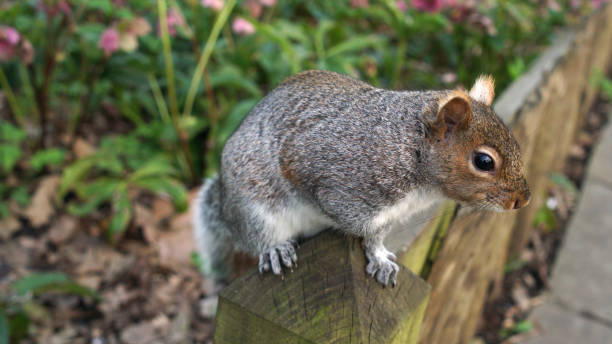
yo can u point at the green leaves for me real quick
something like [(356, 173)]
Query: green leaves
[(10, 140), (165, 185), (514, 265), (516, 67), (20, 196), (598, 79), (47, 157), (107, 176), (9, 155), (10, 133), (520, 327), (15, 313), (545, 218), (355, 44), (122, 211), (564, 182), (106, 6), (233, 119), (232, 77), (42, 282), (94, 193), (4, 327)]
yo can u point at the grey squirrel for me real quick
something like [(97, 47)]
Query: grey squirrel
[(323, 150)]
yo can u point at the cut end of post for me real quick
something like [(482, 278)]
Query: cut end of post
[(328, 299)]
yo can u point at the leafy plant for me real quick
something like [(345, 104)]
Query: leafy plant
[(514, 265), (545, 218), (21, 306), (47, 157), (11, 138), (599, 80), (564, 182), (121, 165), (520, 327), (175, 78)]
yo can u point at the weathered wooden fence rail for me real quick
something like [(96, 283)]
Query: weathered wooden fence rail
[(329, 299)]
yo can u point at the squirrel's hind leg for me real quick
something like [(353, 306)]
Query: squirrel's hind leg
[(276, 231)]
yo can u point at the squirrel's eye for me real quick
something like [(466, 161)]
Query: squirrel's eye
[(484, 162)]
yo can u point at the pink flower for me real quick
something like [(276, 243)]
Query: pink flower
[(123, 35), (554, 5), (109, 41), (242, 27), (453, 3), (428, 5), (216, 5), (449, 77), (401, 5), (268, 3), (360, 3), (9, 40), (53, 7), (175, 19), (254, 7), (597, 3), (138, 27)]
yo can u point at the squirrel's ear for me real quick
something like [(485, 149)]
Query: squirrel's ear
[(454, 113), (483, 89)]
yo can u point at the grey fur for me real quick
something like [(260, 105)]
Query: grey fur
[(213, 238), (337, 147)]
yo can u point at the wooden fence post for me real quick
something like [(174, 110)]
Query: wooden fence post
[(327, 299)]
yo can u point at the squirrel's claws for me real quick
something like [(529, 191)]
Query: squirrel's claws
[(277, 257), (381, 268)]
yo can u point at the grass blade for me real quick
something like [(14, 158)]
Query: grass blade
[(205, 55)]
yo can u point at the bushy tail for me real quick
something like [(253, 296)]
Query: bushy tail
[(213, 239)]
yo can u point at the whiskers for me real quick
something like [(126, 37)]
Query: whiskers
[(490, 203), (416, 224)]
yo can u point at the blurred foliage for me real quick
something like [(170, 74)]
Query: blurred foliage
[(545, 218), (21, 305), (172, 79), (599, 80), (520, 327), (514, 265), (11, 140), (564, 182)]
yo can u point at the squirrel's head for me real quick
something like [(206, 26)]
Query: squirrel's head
[(477, 160)]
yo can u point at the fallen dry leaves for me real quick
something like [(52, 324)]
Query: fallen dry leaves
[(41, 207), (151, 292)]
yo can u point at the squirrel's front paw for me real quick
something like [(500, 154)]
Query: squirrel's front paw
[(272, 258), (382, 267)]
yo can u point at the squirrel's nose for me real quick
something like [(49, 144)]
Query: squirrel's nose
[(522, 200)]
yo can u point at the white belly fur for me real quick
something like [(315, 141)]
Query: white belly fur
[(402, 210), (300, 219)]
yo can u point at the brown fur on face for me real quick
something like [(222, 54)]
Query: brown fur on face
[(503, 188)]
